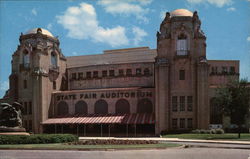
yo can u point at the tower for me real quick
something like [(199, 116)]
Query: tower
[(38, 68), (181, 73)]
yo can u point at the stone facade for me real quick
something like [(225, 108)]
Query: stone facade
[(175, 82)]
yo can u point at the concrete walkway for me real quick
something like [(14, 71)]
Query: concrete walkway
[(169, 139)]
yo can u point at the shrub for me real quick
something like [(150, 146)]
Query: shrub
[(37, 139), (219, 131)]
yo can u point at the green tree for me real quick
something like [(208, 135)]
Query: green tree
[(234, 100)]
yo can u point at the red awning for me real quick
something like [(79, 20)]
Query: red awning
[(104, 119)]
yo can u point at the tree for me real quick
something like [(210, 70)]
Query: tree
[(234, 100)]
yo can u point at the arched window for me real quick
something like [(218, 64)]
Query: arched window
[(53, 59), (62, 108), (144, 106), (26, 59), (122, 107), (182, 45), (81, 107), (101, 107)]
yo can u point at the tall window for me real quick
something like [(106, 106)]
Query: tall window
[(111, 73), (129, 72), (26, 59), (182, 123), (104, 73), (24, 84), (189, 103), (224, 69), (95, 74), (182, 103), (182, 47), (174, 123), (53, 59), (190, 123), (30, 108), (54, 85), (88, 74), (182, 75), (138, 71), (232, 69), (174, 103), (121, 72)]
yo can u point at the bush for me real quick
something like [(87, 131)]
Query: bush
[(37, 139), (212, 131)]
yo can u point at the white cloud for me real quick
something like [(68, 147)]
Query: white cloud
[(248, 39), (34, 11), (81, 22), (218, 3), (231, 9), (138, 35), (49, 26), (4, 86), (127, 8)]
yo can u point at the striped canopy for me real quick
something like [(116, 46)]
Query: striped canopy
[(104, 119)]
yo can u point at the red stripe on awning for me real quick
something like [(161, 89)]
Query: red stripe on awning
[(104, 119)]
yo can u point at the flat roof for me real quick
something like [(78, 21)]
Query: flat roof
[(119, 56)]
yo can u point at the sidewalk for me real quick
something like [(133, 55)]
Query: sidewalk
[(169, 139)]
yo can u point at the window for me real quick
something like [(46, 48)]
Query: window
[(73, 76), (224, 70), (146, 72), (189, 103), (24, 84), (54, 85), (182, 103), (174, 123), (111, 73), (182, 75), (129, 72), (80, 76), (95, 75), (30, 108), (26, 59), (25, 108), (30, 125), (190, 123), (121, 72), (182, 123), (88, 74), (104, 73), (181, 47), (138, 71), (214, 70), (232, 70), (53, 59), (174, 103)]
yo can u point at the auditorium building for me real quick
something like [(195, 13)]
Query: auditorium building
[(134, 91)]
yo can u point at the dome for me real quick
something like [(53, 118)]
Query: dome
[(181, 12), (43, 31)]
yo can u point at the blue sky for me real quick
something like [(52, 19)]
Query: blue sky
[(89, 27)]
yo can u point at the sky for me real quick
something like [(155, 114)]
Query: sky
[(91, 26)]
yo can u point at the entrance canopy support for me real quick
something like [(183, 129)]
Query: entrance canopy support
[(101, 130), (109, 130), (77, 129), (84, 130)]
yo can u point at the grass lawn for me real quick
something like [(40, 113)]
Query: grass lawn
[(226, 136), (84, 147)]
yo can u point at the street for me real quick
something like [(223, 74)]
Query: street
[(171, 153)]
